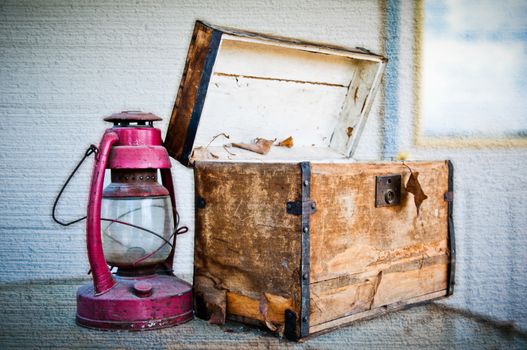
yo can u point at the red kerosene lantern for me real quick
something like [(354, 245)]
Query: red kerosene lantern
[(132, 225)]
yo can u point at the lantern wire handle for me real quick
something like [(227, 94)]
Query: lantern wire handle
[(92, 149), (182, 229), (119, 221), (137, 227)]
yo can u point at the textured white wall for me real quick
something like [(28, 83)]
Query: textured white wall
[(64, 65), (67, 64), (490, 208)]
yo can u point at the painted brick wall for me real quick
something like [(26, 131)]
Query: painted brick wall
[(65, 64)]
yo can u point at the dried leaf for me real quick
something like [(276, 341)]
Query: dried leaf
[(280, 330), (248, 147), (201, 153), (261, 146), (217, 316), (271, 326), (414, 187), (215, 137), (213, 299), (263, 307), (288, 142), (226, 148)]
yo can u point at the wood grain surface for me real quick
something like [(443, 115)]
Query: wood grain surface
[(248, 86), (188, 90), (246, 243), (363, 257)]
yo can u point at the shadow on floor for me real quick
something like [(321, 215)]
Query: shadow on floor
[(41, 314)]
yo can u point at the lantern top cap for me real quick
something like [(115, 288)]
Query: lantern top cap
[(132, 116)]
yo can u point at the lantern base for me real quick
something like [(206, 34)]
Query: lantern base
[(136, 304)]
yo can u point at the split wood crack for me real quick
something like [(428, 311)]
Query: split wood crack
[(279, 79), (375, 288)]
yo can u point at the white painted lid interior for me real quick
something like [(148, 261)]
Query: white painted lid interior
[(273, 90)]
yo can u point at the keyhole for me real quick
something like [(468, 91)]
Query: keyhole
[(389, 196)]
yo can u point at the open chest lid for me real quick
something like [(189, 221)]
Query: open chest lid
[(248, 86)]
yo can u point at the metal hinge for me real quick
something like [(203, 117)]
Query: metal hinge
[(449, 196), (200, 202)]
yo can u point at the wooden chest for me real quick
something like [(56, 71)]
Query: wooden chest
[(302, 239)]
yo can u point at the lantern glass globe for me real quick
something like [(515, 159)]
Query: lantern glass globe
[(135, 230)]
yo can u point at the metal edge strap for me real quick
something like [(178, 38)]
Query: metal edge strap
[(197, 303), (305, 170), (451, 233), (210, 59)]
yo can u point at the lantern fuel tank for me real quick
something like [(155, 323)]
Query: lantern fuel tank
[(132, 224)]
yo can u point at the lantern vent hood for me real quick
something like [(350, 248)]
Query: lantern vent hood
[(249, 85)]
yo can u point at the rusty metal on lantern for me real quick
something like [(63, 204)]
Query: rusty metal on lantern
[(132, 224)]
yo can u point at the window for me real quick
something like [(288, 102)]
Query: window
[(471, 72)]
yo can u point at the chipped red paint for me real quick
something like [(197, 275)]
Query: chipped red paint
[(102, 278), (126, 308), (138, 148), (135, 302), (138, 136), (166, 178), (139, 157)]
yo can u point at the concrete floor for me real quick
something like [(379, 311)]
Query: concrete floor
[(41, 315)]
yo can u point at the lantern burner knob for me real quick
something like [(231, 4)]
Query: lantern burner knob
[(142, 289), (132, 118)]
